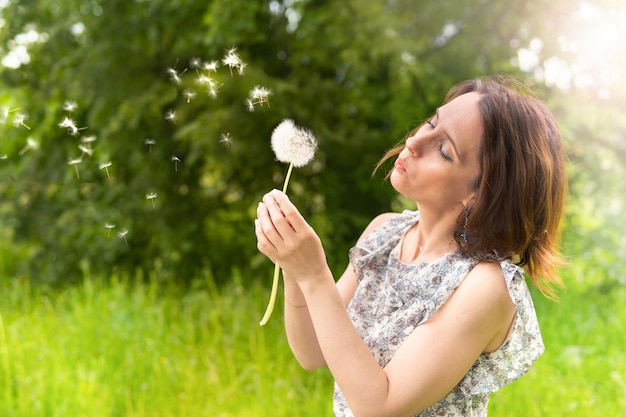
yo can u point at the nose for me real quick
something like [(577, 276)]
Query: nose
[(412, 145)]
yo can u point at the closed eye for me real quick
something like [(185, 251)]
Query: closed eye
[(444, 155)]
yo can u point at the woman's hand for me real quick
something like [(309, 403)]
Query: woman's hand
[(287, 239)]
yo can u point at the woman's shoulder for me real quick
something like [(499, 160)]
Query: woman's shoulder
[(386, 220)]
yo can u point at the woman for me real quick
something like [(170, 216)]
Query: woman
[(433, 312)]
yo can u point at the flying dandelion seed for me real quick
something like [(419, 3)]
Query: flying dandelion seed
[(70, 106), (260, 95), (189, 95), (20, 120), (70, 125), (225, 139), (106, 166), (5, 114), (176, 76), (295, 146), (88, 139), (232, 60), (205, 80), (109, 227), (4, 156), (242, 66), (176, 161), (211, 66), (75, 163), (212, 91), (249, 105), (151, 197), (30, 144), (211, 85), (85, 150), (122, 235), (170, 116), (195, 63), (150, 143)]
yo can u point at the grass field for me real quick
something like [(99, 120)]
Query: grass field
[(130, 346)]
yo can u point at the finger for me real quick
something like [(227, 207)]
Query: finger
[(288, 211), (277, 216), (264, 244), (266, 225)]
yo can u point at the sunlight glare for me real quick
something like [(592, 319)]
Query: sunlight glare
[(594, 51)]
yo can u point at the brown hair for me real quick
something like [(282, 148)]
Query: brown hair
[(522, 185)]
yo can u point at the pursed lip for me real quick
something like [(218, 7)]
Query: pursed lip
[(399, 165)]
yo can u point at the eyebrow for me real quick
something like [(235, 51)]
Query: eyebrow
[(456, 150)]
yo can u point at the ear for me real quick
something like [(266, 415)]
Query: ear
[(470, 200)]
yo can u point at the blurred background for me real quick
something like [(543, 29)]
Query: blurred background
[(134, 148)]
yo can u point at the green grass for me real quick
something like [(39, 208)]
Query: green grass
[(121, 347), (583, 371), (131, 349)]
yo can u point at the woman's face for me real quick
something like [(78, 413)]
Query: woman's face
[(439, 164)]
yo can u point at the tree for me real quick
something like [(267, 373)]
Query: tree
[(359, 74)]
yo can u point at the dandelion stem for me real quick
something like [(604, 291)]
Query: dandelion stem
[(287, 177), (272, 301), (270, 304)]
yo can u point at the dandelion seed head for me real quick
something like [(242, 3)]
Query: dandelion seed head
[(293, 144), (109, 226), (122, 234), (151, 196), (175, 158), (150, 142), (75, 161), (104, 165)]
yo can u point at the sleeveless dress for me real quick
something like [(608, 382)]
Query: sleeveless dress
[(393, 298)]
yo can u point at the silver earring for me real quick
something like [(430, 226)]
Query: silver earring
[(464, 234)]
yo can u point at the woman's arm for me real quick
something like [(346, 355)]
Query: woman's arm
[(432, 359), (298, 326)]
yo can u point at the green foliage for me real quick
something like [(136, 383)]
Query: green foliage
[(359, 74)]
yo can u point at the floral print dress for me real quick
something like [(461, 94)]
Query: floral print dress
[(393, 298)]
